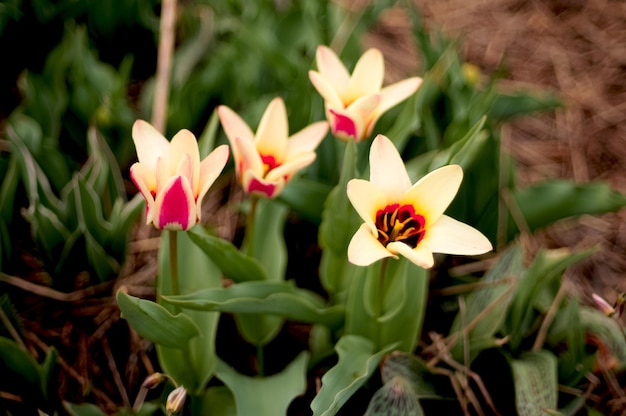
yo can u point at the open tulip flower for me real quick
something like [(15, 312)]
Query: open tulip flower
[(404, 219), (266, 161), (171, 177), (355, 102)]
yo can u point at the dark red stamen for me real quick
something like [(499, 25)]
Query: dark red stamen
[(400, 223)]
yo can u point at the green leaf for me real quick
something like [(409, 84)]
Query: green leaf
[(193, 367), (497, 286), (20, 361), (306, 197), (397, 316), (269, 242), (219, 401), (270, 395), (607, 330), (507, 106), (411, 369), (83, 409), (152, 321), (281, 298), (357, 362), (536, 384), (232, 262), (544, 203)]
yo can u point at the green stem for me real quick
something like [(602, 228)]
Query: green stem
[(174, 283), (380, 301), (260, 360), (248, 243)]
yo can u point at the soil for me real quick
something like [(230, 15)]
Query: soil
[(574, 47)]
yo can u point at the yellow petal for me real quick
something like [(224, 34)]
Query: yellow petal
[(395, 93), (367, 77), (149, 143), (233, 125), (387, 170), (326, 90), (332, 69), (273, 131), (145, 180), (307, 139), (185, 143), (210, 168), (432, 194), (366, 199), (287, 170), (364, 249), (246, 157), (450, 236), (421, 255)]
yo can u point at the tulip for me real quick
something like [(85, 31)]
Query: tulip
[(355, 102), (267, 160), (171, 177), (404, 219)]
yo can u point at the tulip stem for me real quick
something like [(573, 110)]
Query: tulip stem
[(249, 235), (174, 285), (380, 294)]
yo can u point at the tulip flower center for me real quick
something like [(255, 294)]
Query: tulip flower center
[(399, 223), (269, 163)]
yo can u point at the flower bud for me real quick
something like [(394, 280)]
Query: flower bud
[(176, 400), (153, 380)]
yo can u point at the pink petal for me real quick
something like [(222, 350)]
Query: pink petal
[(273, 131), (175, 205), (332, 69), (432, 194), (185, 143), (450, 236), (367, 77), (254, 184), (364, 249), (149, 143), (344, 126), (387, 170)]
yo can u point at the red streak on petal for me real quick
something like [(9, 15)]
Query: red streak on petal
[(256, 186), (343, 125), (175, 209)]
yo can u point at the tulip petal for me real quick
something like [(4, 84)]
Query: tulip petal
[(273, 131), (145, 180), (287, 170), (387, 170), (233, 124), (246, 156), (364, 249), (332, 69), (326, 90), (432, 194), (307, 139), (367, 199), (185, 143), (344, 125), (450, 236), (254, 184), (422, 255), (175, 205), (393, 94), (210, 168), (367, 77), (149, 143)]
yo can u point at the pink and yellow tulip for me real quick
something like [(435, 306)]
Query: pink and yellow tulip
[(355, 102), (405, 219), (171, 177), (267, 160)]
